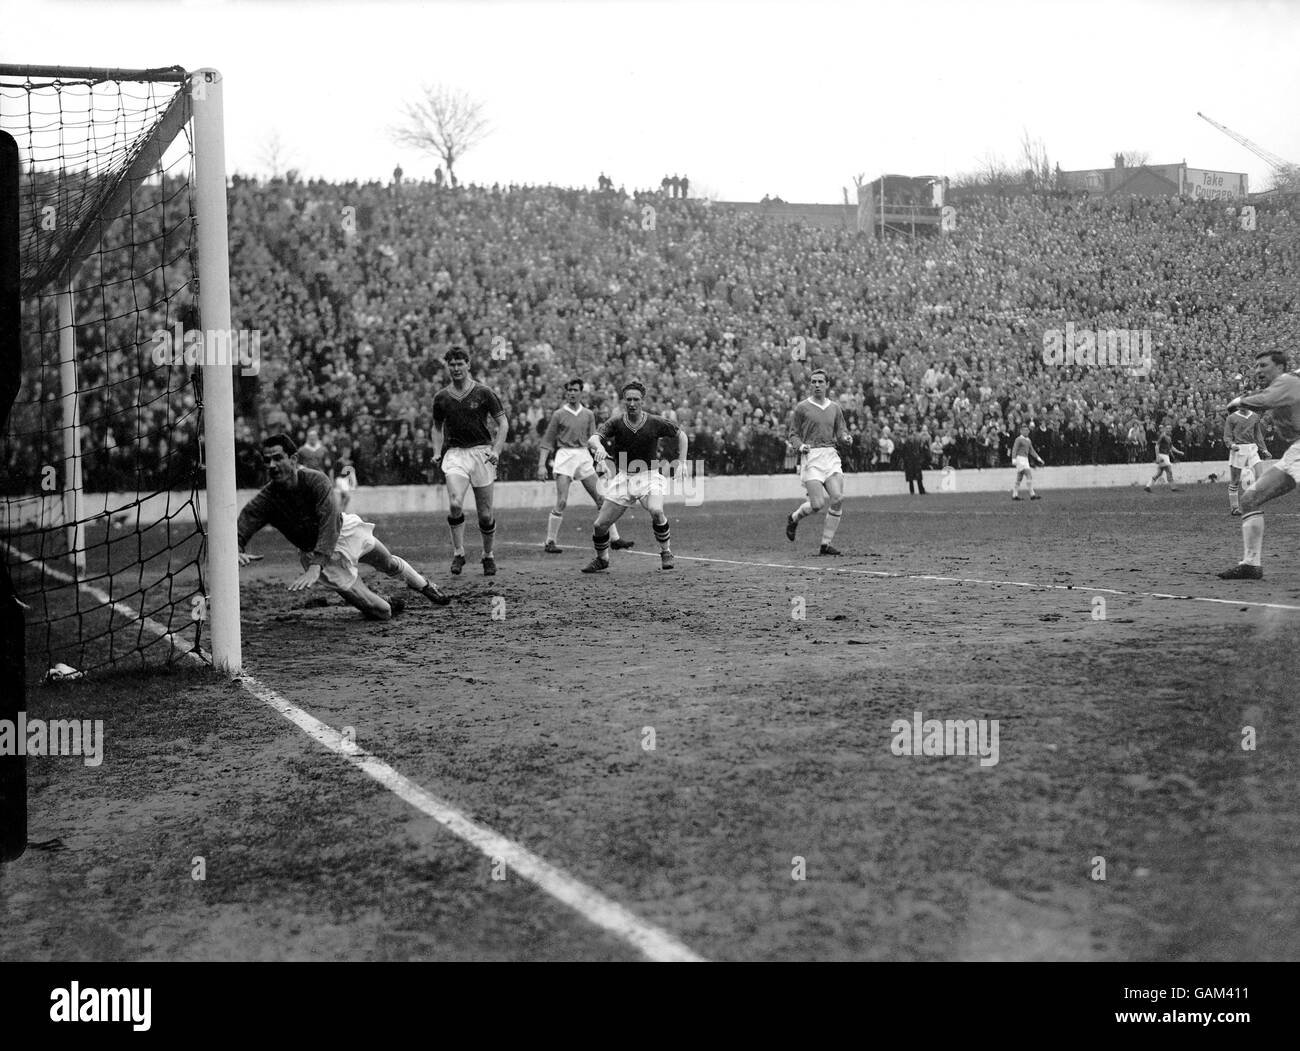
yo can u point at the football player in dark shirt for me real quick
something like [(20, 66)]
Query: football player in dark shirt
[(303, 505), (632, 441), (470, 450)]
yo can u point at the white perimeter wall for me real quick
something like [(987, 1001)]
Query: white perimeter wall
[(401, 499)]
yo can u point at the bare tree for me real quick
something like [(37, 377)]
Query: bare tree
[(275, 155), (993, 173), (444, 122), (1038, 167), (1134, 158)]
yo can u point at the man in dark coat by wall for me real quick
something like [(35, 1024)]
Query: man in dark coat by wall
[(915, 451)]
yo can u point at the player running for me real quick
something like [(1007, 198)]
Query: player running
[(1022, 451), (567, 433), (633, 440), (304, 506), (1281, 398), (816, 427), (1165, 448), (469, 450), (1243, 434)]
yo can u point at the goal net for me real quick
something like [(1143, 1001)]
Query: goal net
[(103, 518)]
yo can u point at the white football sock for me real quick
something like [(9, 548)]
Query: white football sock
[(404, 570), (832, 523), (1252, 537)]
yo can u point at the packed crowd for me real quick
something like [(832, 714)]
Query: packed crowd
[(722, 313)]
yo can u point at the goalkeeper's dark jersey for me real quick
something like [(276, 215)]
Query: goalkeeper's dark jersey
[(304, 511), (464, 417), (632, 448)]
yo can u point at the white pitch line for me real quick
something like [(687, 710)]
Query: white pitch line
[(649, 940), (975, 580), (593, 906)]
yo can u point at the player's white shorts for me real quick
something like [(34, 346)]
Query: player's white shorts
[(576, 463), (1021, 463), (1290, 461), (625, 490), (819, 464), (1244, 455), (356, 538), (470, 463), (1162, 460)]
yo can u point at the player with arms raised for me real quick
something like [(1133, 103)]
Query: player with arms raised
[(1022, 451), (570, 428), (632, 439), (469, 432), (1281, 397), (816, 427), (304, 506), (1243, 434)]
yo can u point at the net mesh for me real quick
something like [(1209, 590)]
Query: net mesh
[(101, 523)]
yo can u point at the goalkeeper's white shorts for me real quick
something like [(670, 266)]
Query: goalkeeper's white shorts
[(576, 463), (1021, 463), (1244, 455), (356, 539), (625, 490), (820, 463), (1162, 460)]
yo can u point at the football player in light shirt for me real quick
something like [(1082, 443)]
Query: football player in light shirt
[(1243, 434), (570, 428), (1022, 451), (1165, 448), (816, 428), (1281, 398)]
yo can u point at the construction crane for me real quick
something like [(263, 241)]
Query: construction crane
[(1278, 164)]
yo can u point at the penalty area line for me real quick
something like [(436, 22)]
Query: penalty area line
[(932, 578), (590, 904)]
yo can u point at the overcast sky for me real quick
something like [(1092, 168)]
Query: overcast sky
[(790, 99)]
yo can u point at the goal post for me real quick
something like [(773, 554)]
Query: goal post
[(219, 380), (123, 241)]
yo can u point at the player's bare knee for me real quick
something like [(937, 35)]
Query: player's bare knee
[(560, 505), (837, 505)]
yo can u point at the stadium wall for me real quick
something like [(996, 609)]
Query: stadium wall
[(406, 499)]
